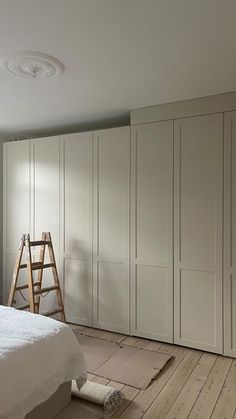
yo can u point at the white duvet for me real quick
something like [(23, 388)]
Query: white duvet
[(37, 354)]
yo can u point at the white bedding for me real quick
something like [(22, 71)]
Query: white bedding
[(37, 354)]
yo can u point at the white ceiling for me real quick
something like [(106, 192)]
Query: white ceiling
[(118, 55)]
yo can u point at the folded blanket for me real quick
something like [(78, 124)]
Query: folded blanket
[(108, 397)]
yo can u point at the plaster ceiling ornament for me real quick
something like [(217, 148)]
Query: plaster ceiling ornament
[(32, 65)]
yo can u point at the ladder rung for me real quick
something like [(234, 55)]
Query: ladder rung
[(24, 265), (23, 287), (39, 243), (38, 265), (50, 313), (33, 285), (46, 289), (23, 307)]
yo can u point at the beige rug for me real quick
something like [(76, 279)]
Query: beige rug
[(96, 351), (121, 363)]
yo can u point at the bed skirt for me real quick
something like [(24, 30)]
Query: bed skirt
[(54, 405)]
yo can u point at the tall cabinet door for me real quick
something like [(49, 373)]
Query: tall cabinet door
[(111, 229), (45, 201), (152, 231), (16, 206), (76, 225), (230, 235), (198, 231)]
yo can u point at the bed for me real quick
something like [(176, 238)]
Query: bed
[(39, 357)]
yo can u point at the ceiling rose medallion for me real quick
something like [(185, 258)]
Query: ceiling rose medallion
[(32, 65)]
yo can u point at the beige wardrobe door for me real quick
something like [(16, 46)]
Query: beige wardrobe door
[(230, 235), (198, 231), (16, 206), (76, 225), (45, 201), (152, 231), (111, 229)]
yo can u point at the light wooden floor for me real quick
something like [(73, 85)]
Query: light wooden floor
[(194, 384)]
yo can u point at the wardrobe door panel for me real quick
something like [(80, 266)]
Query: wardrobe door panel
[(45, 201), (16, 204), (78, 290), (78, 193), (112, 295), (76, 225), (45, 160), (111, 229), (20, 298), (198, 231), (16, 192), (151, 287), (198, 290), (151, 232), (230, 235)]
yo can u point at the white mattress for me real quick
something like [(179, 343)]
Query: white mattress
[(37, 354)]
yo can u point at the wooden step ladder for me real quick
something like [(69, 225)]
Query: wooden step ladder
[(35, 289)]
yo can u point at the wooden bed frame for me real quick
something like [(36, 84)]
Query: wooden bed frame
[(54, 405)]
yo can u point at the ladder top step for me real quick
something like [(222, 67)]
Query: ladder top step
[(46, 289), (39, 243)]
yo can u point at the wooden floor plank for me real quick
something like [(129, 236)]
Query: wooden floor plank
[(166, 348), (129, 393), (154, 346), (190, 392), (211, 390), (130, 340), (118, 386), (193, 385), (95, 333), (76, 327), (166, 398), (100, 380), (136, 342), (112, 337), (90, 376), (144, 399), (226, 404)]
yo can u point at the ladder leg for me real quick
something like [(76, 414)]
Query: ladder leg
[(55, 277), (30, 277), (16, 273), (40, 273)]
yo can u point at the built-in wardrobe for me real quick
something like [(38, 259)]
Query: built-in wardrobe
[(143, 220)]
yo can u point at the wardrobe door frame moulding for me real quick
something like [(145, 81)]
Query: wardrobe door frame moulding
[(198, 268), (45, 167), (31, 202), (165, 265), (99, 257), (229, 262), (10, 251), (75, 257)]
